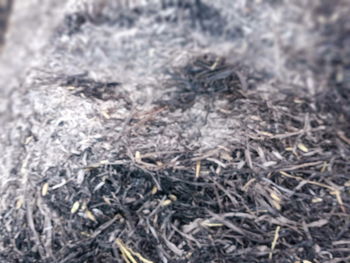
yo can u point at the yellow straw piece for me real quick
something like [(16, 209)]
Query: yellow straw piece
[(166, 202), (316, 200), (324, 167), (275, 197), (268, 134), (45, 189), (212, 224), (198, 168), (19, 203), (276, 200), (84, 233), (274, 242), (127, 253), (90, 215), (106, 114), (154, 190), (28, 140), (172, 197), (303, 148), (75, 207), (137, 156)]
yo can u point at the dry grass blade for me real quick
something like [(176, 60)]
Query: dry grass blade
[(128, 254), (274, 242)]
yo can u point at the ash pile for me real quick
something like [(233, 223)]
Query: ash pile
[(174, 131)]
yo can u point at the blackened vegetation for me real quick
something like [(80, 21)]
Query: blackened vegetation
[(194, 13), (290, 181), (227, 216), (277, 190), (74, 22), (200, 15), (82, 85), (206, 76), (5, 11), (334, 63)]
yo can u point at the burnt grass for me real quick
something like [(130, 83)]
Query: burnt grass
[(279, 193), (225, 206)]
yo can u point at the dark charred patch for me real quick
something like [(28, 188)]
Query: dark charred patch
[(200, 15), (216, 212), (334, 63), (126, 197), (74, 22), (196, 14), (89, 88), (125, 18), (5, 11), (209, 76)]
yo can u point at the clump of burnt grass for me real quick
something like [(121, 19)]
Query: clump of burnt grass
[(225, 163), (281, 193)]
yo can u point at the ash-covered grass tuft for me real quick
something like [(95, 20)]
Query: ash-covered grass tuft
[(172, 131)]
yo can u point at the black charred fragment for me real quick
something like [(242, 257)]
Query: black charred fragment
[(89, 88)]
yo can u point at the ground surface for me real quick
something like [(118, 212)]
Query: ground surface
[(175, 131)]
